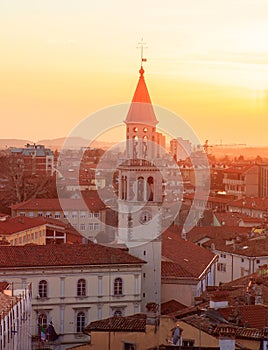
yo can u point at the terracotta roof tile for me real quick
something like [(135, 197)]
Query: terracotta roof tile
[(254, 316), (53, 204), (186, 254), (135, 323), (18, 224), (170, 269), (64, 255), (171, 306), (256, 203)]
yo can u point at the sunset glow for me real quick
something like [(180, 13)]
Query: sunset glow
[(63, 60)]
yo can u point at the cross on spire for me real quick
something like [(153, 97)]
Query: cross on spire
[(141, 47)]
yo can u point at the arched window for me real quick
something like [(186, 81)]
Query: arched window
[(150, 188), (80, 321), (42, 289), (118, 286), (81, 288), (140, 195)]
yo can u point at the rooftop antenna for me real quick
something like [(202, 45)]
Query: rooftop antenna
[(141, 46)]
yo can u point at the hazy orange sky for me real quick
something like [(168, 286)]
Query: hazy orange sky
[(62, 60)]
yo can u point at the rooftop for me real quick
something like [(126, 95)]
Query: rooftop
[(187, 255), (64, 255), (135, 323)]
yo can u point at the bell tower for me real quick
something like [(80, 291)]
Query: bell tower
[(141, 191)]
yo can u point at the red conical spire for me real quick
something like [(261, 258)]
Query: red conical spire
[(141, 110)]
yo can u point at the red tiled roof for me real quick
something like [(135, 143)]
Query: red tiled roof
[(3, 286), (189, 256), (135, 323), (256, 203), (255, 316), (6, 303), (171, 306), (18, 224), (171, 270), (213, 232), (247, 247), (241, 332), (234, 219), (64, 255), (53, 204)]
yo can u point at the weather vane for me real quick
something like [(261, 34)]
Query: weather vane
[(141, 47)]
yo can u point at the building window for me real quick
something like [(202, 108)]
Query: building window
[(129, 346), (188, 342), (57, 215), (242, 260), (82, 227), (90, 227), (118, 286), (74, 214), (96, 214), (258, 261), (42, 289), (39, 214), (96, 226), (82, 214), (42, 322), (223, 255), (81, 288), (221, 267), (118, 312), (80, 321)]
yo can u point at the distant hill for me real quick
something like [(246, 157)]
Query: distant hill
[(74, 143), (7, 143), (232, 152), (78, 142)]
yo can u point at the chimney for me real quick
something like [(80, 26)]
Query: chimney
[(152, 314), (218, 300), (227, 338)]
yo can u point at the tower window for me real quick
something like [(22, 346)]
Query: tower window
[(135, 129), (145, 129)]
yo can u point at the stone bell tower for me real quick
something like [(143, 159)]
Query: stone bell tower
[(141, 191)]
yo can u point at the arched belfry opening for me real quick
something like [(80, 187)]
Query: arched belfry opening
[(150, 189), (140, 189), (123, 187)]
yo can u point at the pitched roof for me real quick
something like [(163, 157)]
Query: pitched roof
[(135, 323), (189, 256), (64, 255), (18, 224), (171, 270), (213, 232), (241, 332), (254, 316), (234, 218), (6, 303), (54, 204), (257, 247), (171, 306), (256, 203), (141, 110)]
